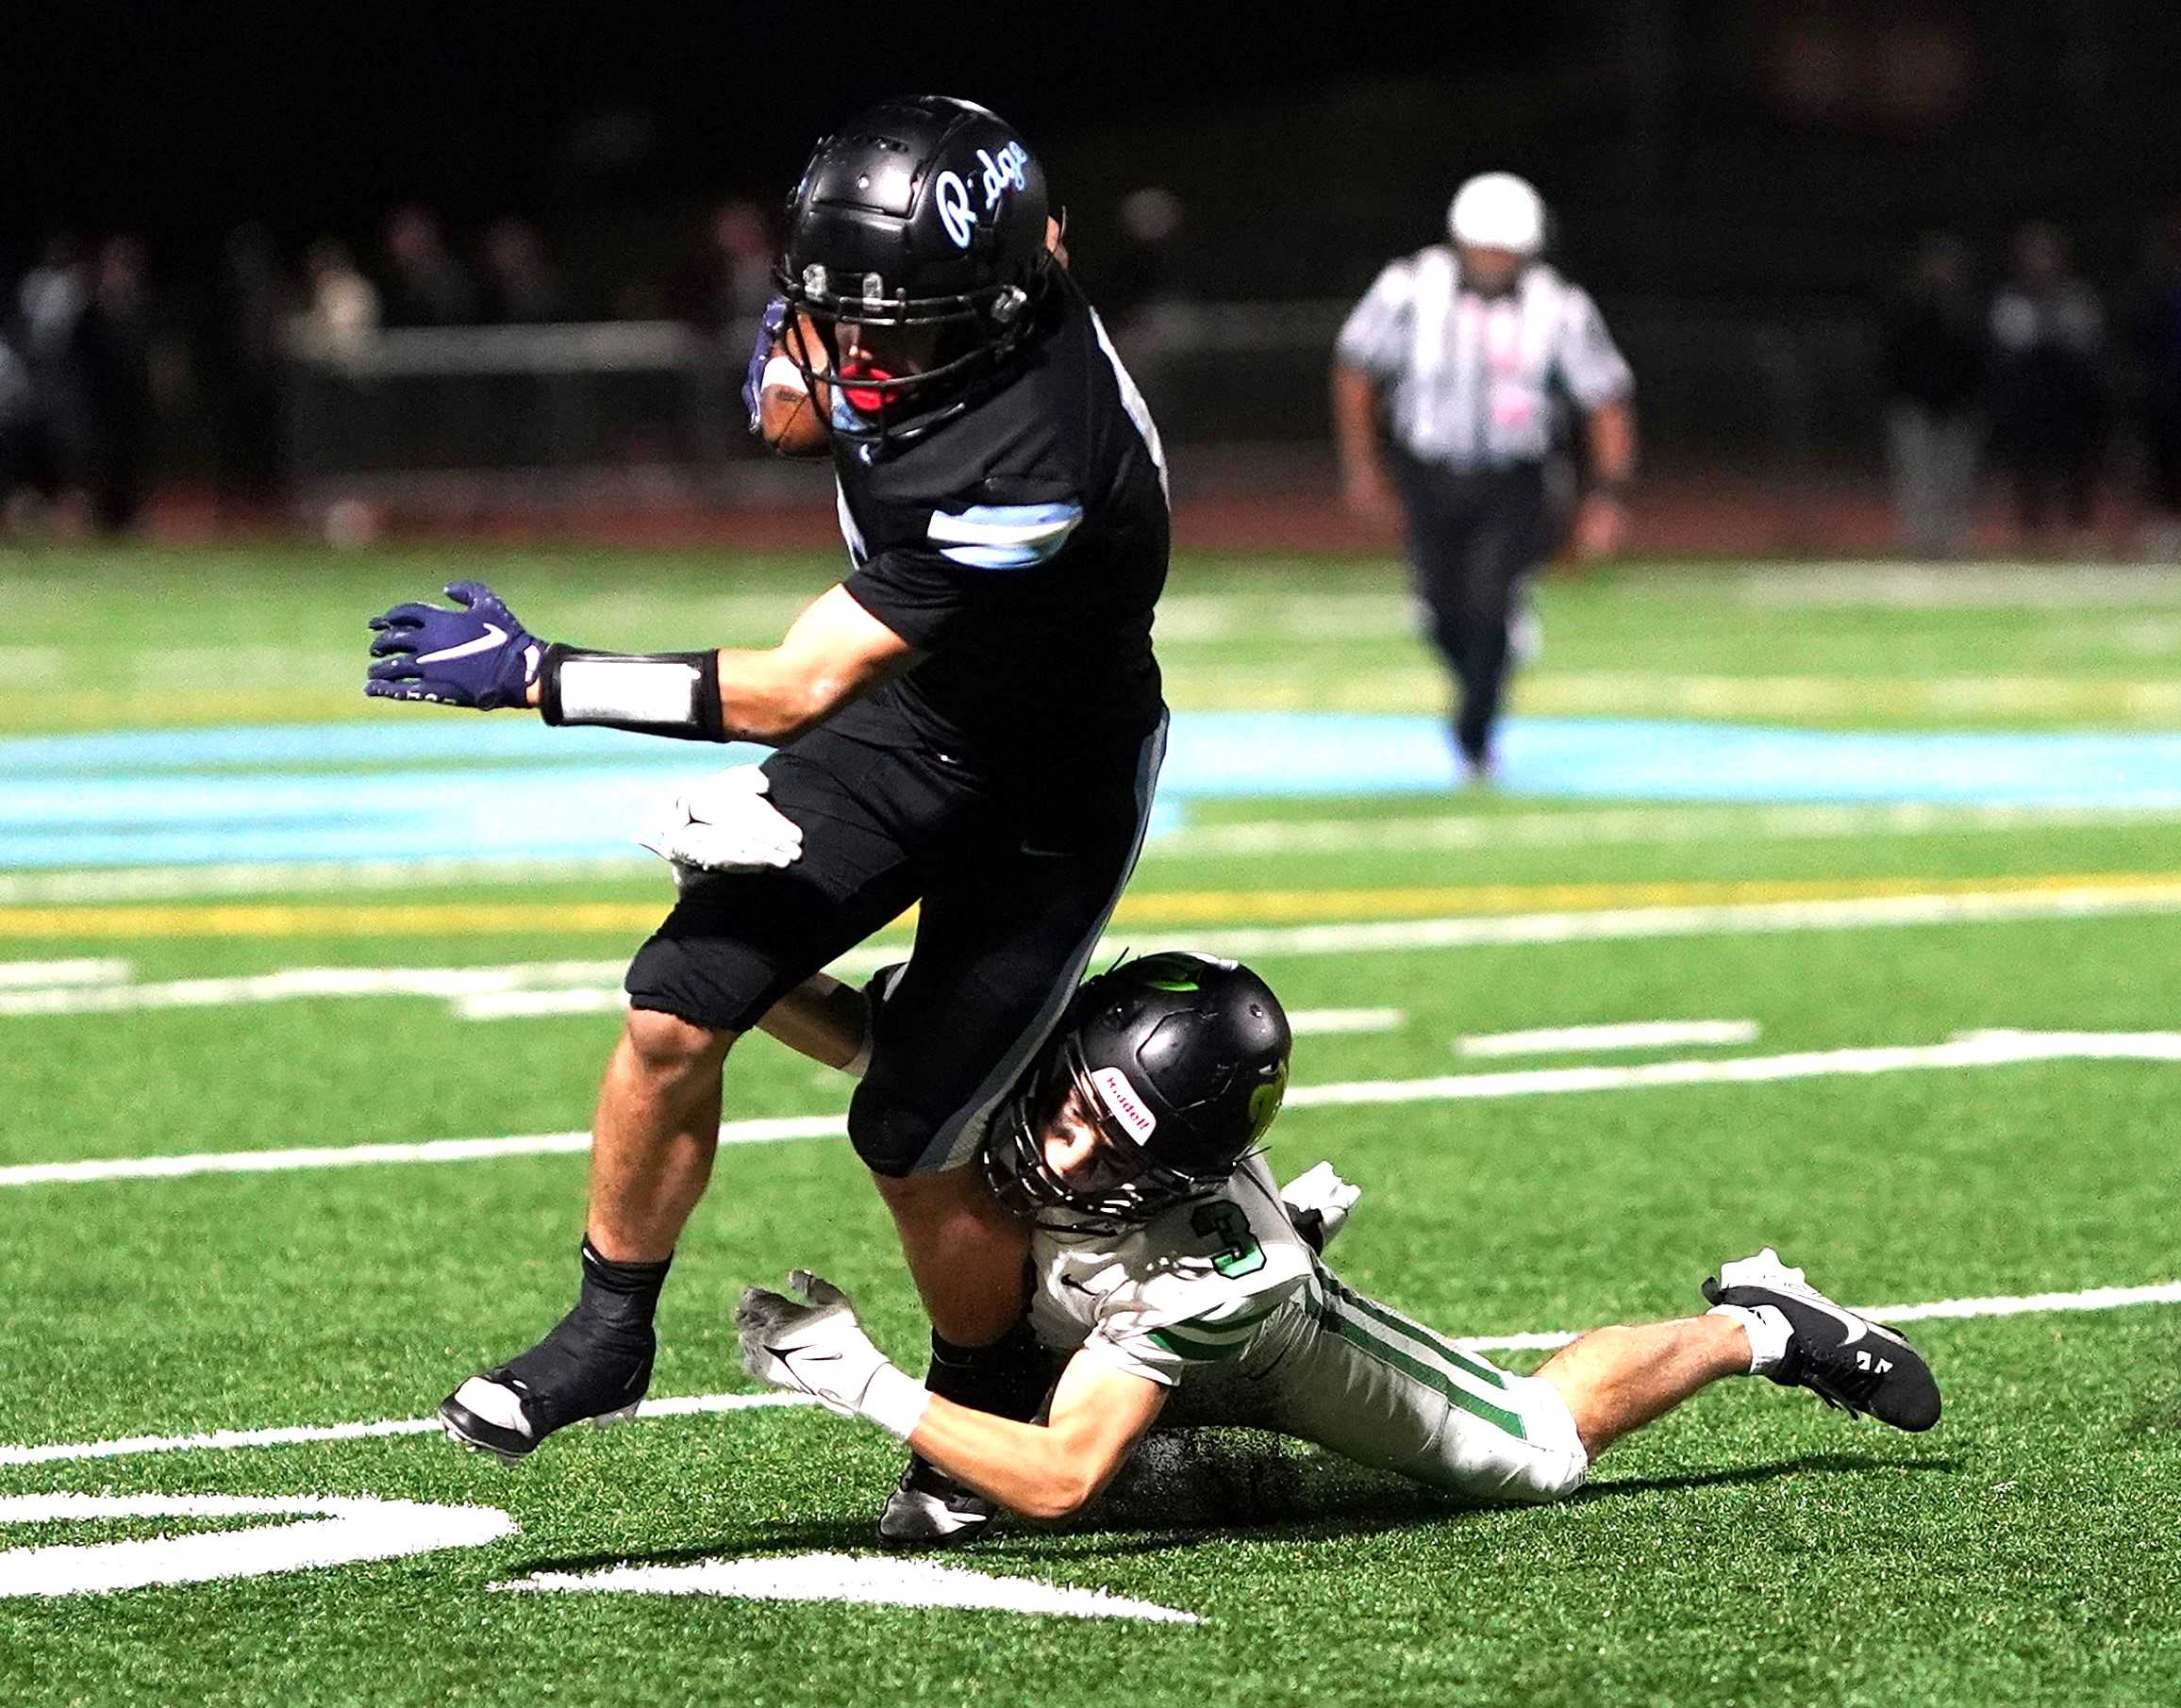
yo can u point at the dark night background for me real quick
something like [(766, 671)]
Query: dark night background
[(1702, 147), (1740, 184)]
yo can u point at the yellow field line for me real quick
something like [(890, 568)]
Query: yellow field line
[(1146, 908)]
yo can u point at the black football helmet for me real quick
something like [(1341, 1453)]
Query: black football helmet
[(920, 223), (1180, 1060)]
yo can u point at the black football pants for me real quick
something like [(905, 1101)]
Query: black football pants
[(1473, 538), (1012, 900)]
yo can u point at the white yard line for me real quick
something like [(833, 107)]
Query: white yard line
[(453, 984), (466, 983), (1971, 1050), (2088, 1298), (227, 1439), (1989, 1049), (1322, 1023), (1968, 907), (763, 1130), (861, 1580), (49, 975), (1620, 1034)]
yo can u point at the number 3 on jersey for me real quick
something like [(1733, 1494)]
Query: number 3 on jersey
[(1240, 1254)]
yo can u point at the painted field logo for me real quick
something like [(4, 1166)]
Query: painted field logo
[(321, 1531), (1120, 1097)]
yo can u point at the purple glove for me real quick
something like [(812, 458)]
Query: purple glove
[(769, 330), (476, 656)]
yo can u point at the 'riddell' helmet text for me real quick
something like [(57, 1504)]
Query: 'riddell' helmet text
[(916, 251), (1181, 1060)]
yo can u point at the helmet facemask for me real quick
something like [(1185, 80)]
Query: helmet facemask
[(895, 365), (1124, 1189)]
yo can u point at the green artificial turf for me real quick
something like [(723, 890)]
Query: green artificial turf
[(1753, 1548)]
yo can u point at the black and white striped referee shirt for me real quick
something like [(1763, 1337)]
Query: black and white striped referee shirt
[(1470, 379)]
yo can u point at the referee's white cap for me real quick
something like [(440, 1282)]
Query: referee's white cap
[(1498, 210)]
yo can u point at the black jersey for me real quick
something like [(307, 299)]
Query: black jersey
[(1019, 547)]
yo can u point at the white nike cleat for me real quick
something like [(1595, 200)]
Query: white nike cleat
[(1848, 1361)]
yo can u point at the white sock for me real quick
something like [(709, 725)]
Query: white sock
[(1768, 1332)]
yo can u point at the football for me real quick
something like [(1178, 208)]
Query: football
[(790, 422)]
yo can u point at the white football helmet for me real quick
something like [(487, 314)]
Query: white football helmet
[(1498, 210)]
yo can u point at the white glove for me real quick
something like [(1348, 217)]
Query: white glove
[(815, 1346), (1325, 1192), (724, 823)]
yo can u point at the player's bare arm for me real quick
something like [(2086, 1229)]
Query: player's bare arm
[(812, 1341), (477, 654), (1054, 1470)]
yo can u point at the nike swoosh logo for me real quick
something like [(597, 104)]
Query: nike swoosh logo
[(494, 636), (1856, 1326)]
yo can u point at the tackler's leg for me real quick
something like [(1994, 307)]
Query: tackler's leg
[(1002, 943)]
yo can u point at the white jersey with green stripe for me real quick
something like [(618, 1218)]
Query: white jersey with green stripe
[(1220, 1299), (1213, 1282)]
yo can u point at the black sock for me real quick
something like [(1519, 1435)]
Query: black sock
[(598, 1356), (1007, 1379), (624, 1294)]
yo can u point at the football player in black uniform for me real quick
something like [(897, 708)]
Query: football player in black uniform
[(971, 721)]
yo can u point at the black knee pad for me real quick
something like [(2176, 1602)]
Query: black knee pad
[(891, 1134)]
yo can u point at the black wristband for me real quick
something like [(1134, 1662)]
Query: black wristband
[(673, 694)]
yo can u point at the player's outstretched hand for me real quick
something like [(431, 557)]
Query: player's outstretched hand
[(475, 655), (1319, 1194), (812, 1343), (722, 824)]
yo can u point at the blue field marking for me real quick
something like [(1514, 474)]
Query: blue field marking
[(509, 786)]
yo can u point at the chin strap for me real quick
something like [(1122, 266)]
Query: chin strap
[(673, 694)]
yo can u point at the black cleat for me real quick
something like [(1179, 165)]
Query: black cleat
[(583, 1372), (1848, 1361), (929, 1509)]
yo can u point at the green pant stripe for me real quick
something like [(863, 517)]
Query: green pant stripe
[(1422, 1335), (1181, 1346), (1361, 1336)]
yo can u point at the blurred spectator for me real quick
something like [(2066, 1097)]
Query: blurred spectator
[(339, 316), (1932, 366), (50, 302), (520, 286), (721, 295), (425, 284), (29, 450), (2154, 335), (1145, 276), (50, 298), (113, 359), (2048, 391), (244, 372), (729, 281)]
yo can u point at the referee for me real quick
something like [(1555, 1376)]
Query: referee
[(1449, 380)]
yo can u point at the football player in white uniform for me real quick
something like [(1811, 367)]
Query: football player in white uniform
[(1180, 1284)]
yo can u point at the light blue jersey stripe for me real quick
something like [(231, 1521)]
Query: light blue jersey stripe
[(1004, 536)]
